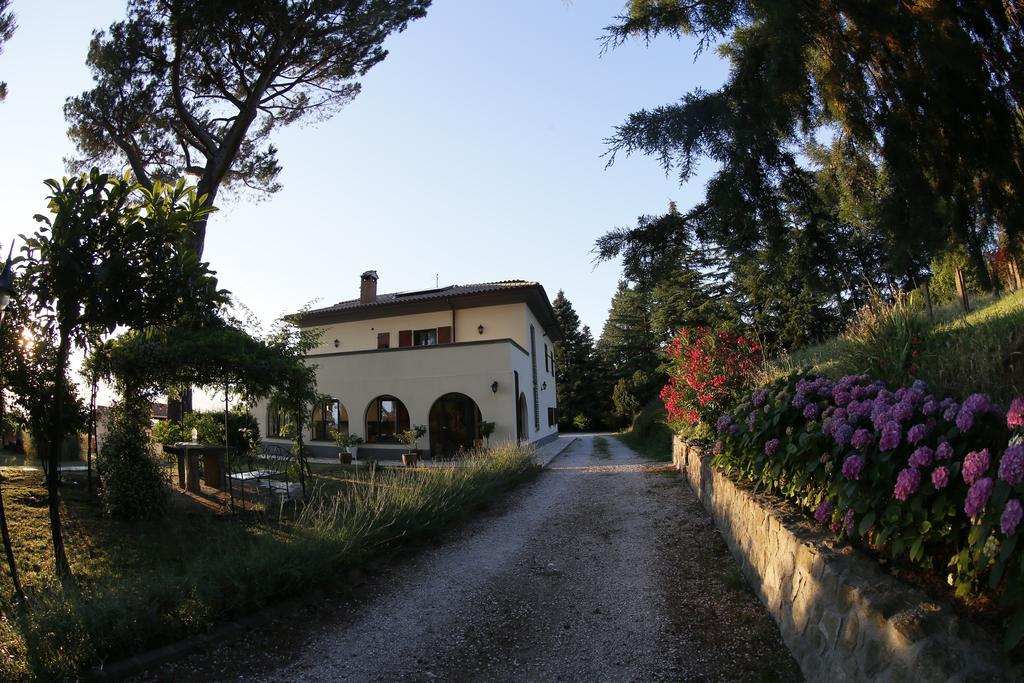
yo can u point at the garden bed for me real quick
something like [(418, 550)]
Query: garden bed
[(840, 614), (145, 584)]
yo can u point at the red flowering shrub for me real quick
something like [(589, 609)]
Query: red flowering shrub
[(708, 373)]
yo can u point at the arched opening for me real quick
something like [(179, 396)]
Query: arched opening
[(522, 428), (328, 417), (454, 425), (386, 418)]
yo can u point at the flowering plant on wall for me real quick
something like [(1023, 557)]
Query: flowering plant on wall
[(708, 371), (917, 477)]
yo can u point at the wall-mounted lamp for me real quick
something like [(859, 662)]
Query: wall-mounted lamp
[(494, 386), (480, 329), (544, 386), (337, 343)]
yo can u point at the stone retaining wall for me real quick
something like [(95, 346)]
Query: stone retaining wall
[(841, 615)]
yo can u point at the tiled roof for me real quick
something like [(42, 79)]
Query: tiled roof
[(426, 295)]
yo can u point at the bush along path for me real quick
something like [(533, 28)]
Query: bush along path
[(604, 568), (923, 480)]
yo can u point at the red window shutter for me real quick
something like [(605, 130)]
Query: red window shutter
[(383, 340), (444, 335), (404, 338)]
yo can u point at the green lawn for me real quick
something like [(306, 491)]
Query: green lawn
[(650, 435), (140, 585)]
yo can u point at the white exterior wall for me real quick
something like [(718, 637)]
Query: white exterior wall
[(499, 322), (356, 372)]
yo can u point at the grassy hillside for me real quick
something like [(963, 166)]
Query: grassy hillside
[(956, 355), (650, 435)]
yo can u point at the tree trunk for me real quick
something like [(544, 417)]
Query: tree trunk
[(9, 551), (926, 289), (53, 472), (91, 436), (961, 290)]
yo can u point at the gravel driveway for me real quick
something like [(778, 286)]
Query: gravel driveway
[(605, 567)]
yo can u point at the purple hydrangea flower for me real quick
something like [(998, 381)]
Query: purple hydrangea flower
[(929, 408), (799, 402), (944, 451), (949, 413), (848, 521), (1011, 466), (841, 397), (852, 467), (902, 411), (975, 465), (919, 385), (965, 419), (722, 423), (917, 433), (751, 419), (977, 497), (978, 403), (839, 414), (922, 457), (1015, 415), (859, 393), (907, 483), (734, 429), (891, 436), (760, 397), (811, 411), (771, 446), (862, 438), (1012, 514), (940, 478), (842, 434), (824, 512)]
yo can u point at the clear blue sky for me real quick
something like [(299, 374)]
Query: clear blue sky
[(473, 153)]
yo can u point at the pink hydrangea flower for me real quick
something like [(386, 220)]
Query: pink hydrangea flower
[(1011, 466), (975, 465), (907, 483), (1011, 517), (977, 497), (1015, 416), (940, 478)]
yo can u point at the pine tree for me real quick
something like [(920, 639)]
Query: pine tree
[(574, 360), (628, 351)]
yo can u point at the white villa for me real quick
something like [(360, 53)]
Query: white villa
[(446, 358)]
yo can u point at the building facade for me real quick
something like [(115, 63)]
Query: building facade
[(448, 358)]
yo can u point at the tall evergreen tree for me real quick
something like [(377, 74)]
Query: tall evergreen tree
[(578, 400), (628, 351), (933, 91)]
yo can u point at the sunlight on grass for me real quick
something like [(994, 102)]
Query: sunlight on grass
[(141, 585)]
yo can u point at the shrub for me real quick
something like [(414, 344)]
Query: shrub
[(932, 481), (885, 340), (243, 430), (133, 485), (708, 371)]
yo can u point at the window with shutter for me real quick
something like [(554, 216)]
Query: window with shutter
[(404, 338), (383, 340), (444, 335)]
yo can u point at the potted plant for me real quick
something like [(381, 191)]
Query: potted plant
[(486, 429), (347, 444), (409, 437)]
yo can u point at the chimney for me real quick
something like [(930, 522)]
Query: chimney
[(368, 287)]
